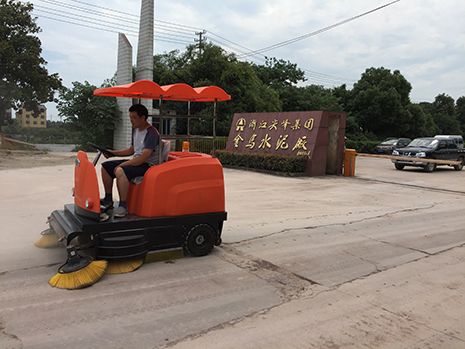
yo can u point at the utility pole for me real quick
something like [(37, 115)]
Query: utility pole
[(201, 39)]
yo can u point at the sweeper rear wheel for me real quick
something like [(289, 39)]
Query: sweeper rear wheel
[(199, 240)]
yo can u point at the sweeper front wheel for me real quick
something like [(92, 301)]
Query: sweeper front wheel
[(199, 240)]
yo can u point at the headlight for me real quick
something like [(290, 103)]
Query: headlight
[(395, 152), (421, 155), (89, 203)]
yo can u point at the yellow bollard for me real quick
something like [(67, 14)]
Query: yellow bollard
[(349, 162)]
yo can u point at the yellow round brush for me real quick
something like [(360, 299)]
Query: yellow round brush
[(78, 271), (48, 239), (121, 267)]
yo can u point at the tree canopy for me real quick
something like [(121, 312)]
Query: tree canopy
[(213, 66), (94, 116), (380, 101), (23, 76), (279, 74)]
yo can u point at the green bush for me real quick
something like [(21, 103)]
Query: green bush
[(263, 161), (362, 146)]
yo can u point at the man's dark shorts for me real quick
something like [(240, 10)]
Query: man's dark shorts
[(130, 171)]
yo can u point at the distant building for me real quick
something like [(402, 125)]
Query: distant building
[(26, 118), (7, 115)]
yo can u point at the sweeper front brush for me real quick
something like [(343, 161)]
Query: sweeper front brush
[(78, 272)]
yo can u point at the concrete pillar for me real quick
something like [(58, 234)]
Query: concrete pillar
[(144, 70), (123, 132)]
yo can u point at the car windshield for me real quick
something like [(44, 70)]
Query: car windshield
[(423, 143), (390, 141)]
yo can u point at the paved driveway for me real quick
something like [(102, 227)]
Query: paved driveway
[(371, 261)]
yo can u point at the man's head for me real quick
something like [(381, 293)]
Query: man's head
[(140, 110)]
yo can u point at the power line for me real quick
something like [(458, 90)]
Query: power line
[(159, 25), (167, 29), (309, 74), (131, 26), (291, 41), (105, 8), (129, 33), (137, 16)]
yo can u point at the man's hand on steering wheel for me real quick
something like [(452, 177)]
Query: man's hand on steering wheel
[(107, 153)]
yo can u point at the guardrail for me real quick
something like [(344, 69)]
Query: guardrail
[(351, 154), (411, 158)]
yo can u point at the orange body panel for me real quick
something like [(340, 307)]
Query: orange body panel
[(189, 183), (86, 184)]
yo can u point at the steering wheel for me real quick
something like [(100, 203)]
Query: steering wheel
[(104, 151)]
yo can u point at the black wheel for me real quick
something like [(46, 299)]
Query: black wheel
[(399, 166), (430, 167), (459, 167), (199, 240)]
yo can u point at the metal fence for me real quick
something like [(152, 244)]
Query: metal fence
[(203, 145)]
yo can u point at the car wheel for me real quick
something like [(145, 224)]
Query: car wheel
[(430, 167), (199, 240), (399, 166), (459, 167)]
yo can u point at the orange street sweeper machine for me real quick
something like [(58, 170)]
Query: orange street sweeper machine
[(179, 205)]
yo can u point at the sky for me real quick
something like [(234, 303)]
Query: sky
[(333, 41)]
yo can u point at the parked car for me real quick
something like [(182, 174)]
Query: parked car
[(442, 148), (389, 144), (458, 140)]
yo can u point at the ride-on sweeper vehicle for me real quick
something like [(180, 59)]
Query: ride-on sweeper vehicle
[(179, 204)]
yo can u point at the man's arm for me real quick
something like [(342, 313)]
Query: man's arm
[(138, 160), (124, 152)]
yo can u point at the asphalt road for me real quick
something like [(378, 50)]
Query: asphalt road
[(371, 261)]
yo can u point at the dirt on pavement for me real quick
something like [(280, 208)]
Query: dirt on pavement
[(14, 159)]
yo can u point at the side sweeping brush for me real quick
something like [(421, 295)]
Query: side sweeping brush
[(121, 267), (78, 272), (48, 239)]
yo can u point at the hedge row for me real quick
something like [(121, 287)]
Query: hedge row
[(363, 146), (262, 161)]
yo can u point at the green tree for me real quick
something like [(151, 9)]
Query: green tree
[(342, 96), (169, 68), (215, 67), (460, 113), (432, 128), (23, 76), (311, 97), (279, 74), (379, 102), (13, 128), (421, 124), (443, 114), (93, 116)]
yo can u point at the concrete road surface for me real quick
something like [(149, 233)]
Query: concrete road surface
[(371, 261)]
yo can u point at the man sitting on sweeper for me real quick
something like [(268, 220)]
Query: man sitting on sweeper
[(144, 147)]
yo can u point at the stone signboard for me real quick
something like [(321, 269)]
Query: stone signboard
[(317, 135)]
